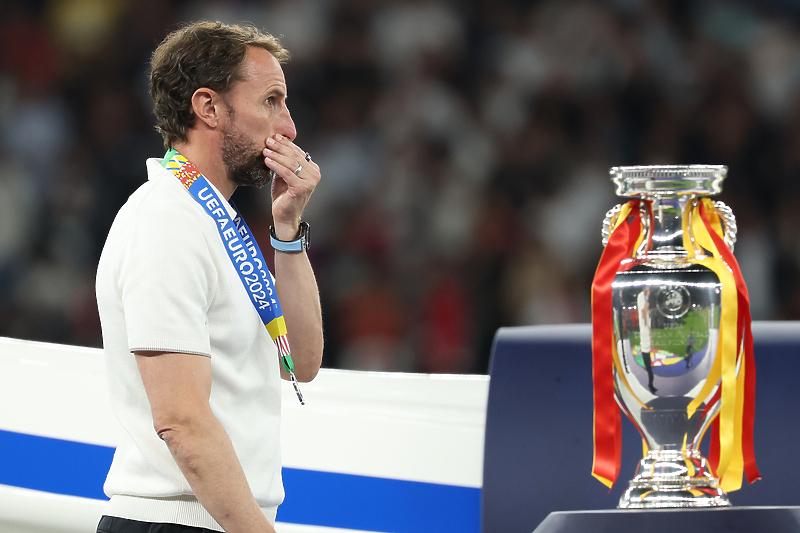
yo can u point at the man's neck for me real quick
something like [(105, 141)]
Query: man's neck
[(209, 163)]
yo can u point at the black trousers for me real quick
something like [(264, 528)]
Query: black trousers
[(112, 524)]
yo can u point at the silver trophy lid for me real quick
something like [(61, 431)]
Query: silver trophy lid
[(668, 180)]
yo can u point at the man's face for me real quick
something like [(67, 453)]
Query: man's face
[(257, 110)]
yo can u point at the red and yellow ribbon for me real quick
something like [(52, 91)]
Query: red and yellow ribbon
[(730, 464), (622, 243)]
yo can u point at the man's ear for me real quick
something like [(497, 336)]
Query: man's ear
[(207, 106)]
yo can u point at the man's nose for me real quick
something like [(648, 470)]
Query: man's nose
[(286, 126)]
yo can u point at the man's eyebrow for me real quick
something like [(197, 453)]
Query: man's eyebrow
[(275, 90)]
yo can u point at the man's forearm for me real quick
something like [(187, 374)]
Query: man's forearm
[(299, 296), (207, 459)]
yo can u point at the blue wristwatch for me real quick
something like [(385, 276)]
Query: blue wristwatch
[(300, 244)]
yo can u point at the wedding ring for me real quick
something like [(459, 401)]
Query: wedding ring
[(308, 156), (298, 169)]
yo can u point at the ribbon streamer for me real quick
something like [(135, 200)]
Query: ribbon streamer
[(607, 421), (746, 382)]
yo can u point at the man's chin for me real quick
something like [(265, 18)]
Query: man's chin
[(262, 179), (257, 178)]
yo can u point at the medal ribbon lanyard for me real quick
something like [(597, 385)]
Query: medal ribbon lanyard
[(244, 253)]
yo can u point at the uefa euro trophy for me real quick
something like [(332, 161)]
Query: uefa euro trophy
[(671, 334)]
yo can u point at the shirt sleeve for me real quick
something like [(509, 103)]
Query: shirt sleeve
[(167, 280)]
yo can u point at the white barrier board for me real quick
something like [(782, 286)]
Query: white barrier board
[(420, 436)]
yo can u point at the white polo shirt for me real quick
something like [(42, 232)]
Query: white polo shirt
[(643, 308), (165, 283)]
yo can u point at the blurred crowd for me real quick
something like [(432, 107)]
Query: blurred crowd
[(464, 148)]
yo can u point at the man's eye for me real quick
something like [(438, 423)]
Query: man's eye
[(270, 100)]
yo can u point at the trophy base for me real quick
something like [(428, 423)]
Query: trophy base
[(673, 478)]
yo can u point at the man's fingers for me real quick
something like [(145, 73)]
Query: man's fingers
[(282, 164), (289, 154)]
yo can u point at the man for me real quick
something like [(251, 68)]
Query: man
[(643, 308), (687, 356), (194, 374)]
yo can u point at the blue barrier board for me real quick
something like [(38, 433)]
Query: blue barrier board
[(313, 498)]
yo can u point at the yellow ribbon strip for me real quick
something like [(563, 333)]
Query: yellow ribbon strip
[(732, 480)]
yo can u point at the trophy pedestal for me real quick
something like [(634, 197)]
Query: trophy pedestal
[(673, 478), (720, 520)]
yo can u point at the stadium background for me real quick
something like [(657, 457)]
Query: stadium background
[(465, 148)]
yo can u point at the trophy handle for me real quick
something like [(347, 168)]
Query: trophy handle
[(611, 218), (729, 221)]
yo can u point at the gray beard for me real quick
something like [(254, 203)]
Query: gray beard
[(244, 160)]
